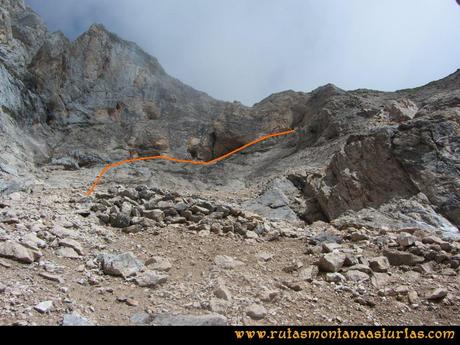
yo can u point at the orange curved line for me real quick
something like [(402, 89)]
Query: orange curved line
[(215, 160)]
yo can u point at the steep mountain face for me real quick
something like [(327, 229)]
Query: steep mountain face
[(353, 218), (354, 155)]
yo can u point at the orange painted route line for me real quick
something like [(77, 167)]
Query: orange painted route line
[(167, 158)]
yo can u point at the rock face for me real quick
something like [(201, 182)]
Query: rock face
[(363, 158), (417, 157)]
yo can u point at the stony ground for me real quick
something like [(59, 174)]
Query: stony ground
[(149, 256)]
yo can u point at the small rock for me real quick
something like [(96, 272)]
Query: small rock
[(67, 252), (256, 312), (379, 264), (437, 294), (61, 232), (294, 285), (16, 251), (379, 280), (309, 273), (33, 240), (218, 306), (140, 319), (159, 263), (398, 258), (432, 240), (132, 302), (357, 237), (356, 276), (405, 239), (204, 233), (124, 265), (412, 297), (150, 279), (157, 215), (227, 262), (331, 262), (52, 277), (251, 235), (350, 260), (44, 307), (334, 277), (223, 292), (70, 243), (75, 319), (330, 247), (120, 220)]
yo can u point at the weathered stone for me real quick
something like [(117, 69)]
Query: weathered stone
[(67, 252), (356, 276), (331, 262), (334, 277), (124, 265), (412, 297), (120, 220), (398, 258), (61, 232), (406, 240), (68, 242), (379, 264), (432, 240), (159, 263), (150, 279), (52, 277), (380, 280), (15, 251), (256, 312), (141, 319), (219, 306), (216, 228), (401, 110), (32, 240), (44, 307), (222, 292), (199, 209), (309, 273), (251, 235), (75, 319), (155, 214), (437, 294), (358, 236), (330, 247)]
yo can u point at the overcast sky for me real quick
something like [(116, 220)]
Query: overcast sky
[(247, 49)]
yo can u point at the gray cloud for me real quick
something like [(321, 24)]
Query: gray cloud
[(247, 49)]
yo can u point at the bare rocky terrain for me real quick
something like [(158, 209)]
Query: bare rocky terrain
[(352, 219)]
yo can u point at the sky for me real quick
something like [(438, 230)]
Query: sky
[(245, 50)]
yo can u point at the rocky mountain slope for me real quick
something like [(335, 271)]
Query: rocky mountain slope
[(365, 193)]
